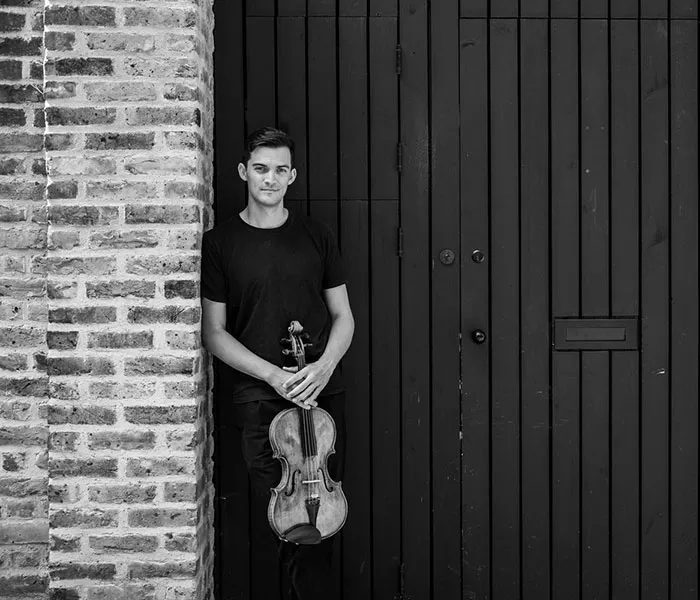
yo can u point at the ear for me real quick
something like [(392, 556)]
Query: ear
[(242, 172), (292, 177)]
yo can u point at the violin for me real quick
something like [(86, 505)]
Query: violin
[(307, 506)]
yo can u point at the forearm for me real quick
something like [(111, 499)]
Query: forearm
[(338, 340), (228, 349)]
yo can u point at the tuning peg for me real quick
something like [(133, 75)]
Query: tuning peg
[(287, 352), (286, 341), (308, 345)]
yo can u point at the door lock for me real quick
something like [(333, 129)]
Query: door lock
[(447, 257), (478, 336)]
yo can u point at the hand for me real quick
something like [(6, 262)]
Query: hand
[(308, 383), (279, 378)]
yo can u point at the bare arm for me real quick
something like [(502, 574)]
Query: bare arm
[(227, 348), (315, 376)]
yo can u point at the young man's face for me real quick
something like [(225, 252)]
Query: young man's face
[(268, 173)]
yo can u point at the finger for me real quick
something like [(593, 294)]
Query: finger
[(300, 388), (308, 394), (291, 369), (298, 376)]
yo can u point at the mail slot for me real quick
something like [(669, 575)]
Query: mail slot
[(596, 334)]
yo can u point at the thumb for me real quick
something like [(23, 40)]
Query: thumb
[(291, 369)]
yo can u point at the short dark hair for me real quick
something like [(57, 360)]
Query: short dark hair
[(267, 137)]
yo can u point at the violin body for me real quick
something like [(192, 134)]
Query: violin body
[(307, 505), (306, 494)]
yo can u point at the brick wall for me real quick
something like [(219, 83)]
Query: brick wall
[(106, 125)]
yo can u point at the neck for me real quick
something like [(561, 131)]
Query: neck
[(264, 217)]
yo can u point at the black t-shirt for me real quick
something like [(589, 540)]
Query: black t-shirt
[(268, 278)]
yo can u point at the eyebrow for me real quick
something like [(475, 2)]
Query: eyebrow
[(264, 165)]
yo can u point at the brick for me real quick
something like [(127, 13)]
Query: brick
[(125, 591), (25, 509), (21, 337), (136, 493), (162, 517), (59, 40), (83, 518), (59, 89), (159, 17), (64, 543), (10, 214), (137, 66), (16, 46), (61, 390), (80, 116), (39, 166), (61, 141), (64, 594), (183, 92), (15, 411), (181, 440), (22, 487), (11, 21), (14, 461), (63, 240), (122, 440), (119, 141), (74, 467), (24, 386), (171, 570), (180, 542), (72, 165), (162, 115), (80, 266), (155, 467), (21, 142), (182, 44), (124, 239), (13, 362), (81, 415), (180, 190), (123, 289), (12, 117), (162, 265), (26, 287), (161, 165), (91, 570), (10, 69), (93, 16), (27, 190), (20, 93), (166, 213), (35, 532), (83, 215), (122, 390), (57, 290), (23, 239), (181, 288), (183, 340), (78, 365), (121, 42), (183, 140), (62, 189), (121, 92), (23, 436), (184, 389), (17, 586), (36, 70), (159, 366), (62, 340), (63, 441), (111, 544), (11, 166), (94, 67), (179, 492), (136, 339), (23, 557), (59, 494), (168, 314)]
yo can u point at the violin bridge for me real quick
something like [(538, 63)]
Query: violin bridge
[(312, 481)]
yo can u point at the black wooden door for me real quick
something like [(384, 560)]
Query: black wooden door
[(514, 188)]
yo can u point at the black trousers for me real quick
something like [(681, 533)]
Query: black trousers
[(308, 566)]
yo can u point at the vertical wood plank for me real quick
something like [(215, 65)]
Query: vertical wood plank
[(352, 8), (291, 97), (383, 109), (594, 9), (352, 107), (684, 315), (534, 8), (505, 323), (624, 9), (383, 8), (653, 9), (415, 301), (386, 399), (624, 223), (323, 110), (445, 211), (684, 9), (504, 8), (357, 559), (260, 8), (565, 303), (321, 8), (535, 311), (595, 260), (654, 309), (229, 124), (261, 69), (564, 9), (474, 9), (474, 152), (291, 8)]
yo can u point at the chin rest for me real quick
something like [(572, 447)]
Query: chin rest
[(303, 534)]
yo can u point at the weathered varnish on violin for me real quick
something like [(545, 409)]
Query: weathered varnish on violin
[(307, 505)]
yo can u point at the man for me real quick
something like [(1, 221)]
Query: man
[(262, 269)]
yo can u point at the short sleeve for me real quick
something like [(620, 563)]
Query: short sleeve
[(334, 271), (213, 279)]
